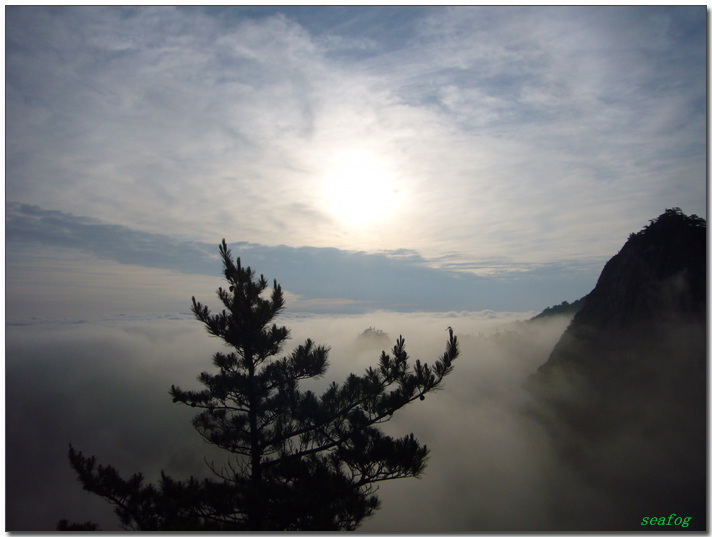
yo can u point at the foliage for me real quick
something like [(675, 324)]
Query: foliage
[(670, 222), (298, 460), (65, 525), (565, 308)]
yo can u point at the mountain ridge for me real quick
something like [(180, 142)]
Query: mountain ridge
[(622, 395)]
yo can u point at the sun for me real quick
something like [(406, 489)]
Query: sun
[(359, 189)]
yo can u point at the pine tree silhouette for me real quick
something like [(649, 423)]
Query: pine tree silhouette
[(298, 460)]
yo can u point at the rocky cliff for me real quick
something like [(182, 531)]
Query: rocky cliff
[(623, 394)]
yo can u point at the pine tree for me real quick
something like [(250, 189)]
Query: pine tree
[(298, 461)]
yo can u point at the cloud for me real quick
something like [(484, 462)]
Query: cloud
[(102, 389), (27, 223), (102, 386), (321, 279), (531, 134)]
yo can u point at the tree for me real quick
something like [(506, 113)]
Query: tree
[(298, 461)]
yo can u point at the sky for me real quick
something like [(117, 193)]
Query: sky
[(411, 168), (507, 143)]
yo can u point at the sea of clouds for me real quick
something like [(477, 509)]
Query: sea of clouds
[(102, 386)]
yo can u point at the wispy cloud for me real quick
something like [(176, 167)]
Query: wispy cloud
[(82, 251), (533, 135)]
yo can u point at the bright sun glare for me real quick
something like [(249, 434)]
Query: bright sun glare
[(359, 189)]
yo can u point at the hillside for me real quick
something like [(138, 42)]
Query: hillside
[(565, 308), (623, 393)]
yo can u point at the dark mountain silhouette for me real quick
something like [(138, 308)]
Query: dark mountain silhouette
[(623, 393), (373, 339), (565, 308)]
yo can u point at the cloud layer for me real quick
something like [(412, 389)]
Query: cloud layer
[(117, 269), (103, 387)]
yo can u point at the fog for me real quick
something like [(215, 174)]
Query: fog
[(103, 388)]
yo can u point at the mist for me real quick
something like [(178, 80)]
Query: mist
[(103, 388)]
